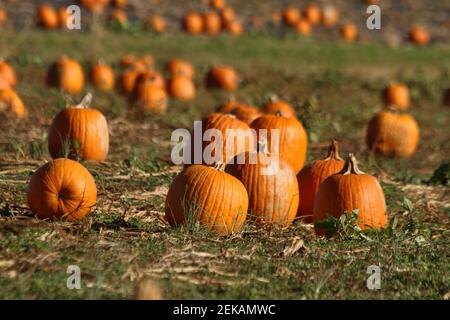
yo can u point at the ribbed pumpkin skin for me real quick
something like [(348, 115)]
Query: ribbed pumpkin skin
[(62, 188), (223, 77), (7, 73), (102, 77), (181, 87), (85, 130), (309, 180), (279, 106), (293, 138), (341, 193), (273, 198), (11, 102), (66, 74), (217, 199), (392, 134)]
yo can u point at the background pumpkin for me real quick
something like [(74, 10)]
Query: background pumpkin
[(212, 24), (7, 73), (397, 96), (148, 96), (349, 32), (245, 113), (67, 75), (156, 23), (11, 102), (330, 16), (312, 14), (193, 23), (181, 87), (178, 67), (291, 16), (223, 77), (102, 76), (194, 193), (3, 17), (63, 16), (303, 27), (419, 35), (62, 188), (47, 17), (275, 106)]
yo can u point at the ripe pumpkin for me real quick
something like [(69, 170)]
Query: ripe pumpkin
[(291, 16), (330, 16), (10, 102), (275, 106), (149, 96), (392, 134), (181, 88), (349, 32), (217, 4), (79, 131), (227, 14), (312, 14), (292, 138), (271, 185), (303, 27), (3, 17), (62, 188), (7, 73), (67, 75), (156, 23), (211, 23), (97, 6), (223, 77), (119, 16), (446, 100), (4, 84), (397, 96), (63, 16), (193, 23), (143, 62), (151, 76), (102, 76), (348, 190), (310, 178), (233, 27), (419, 35), (47, 17), (190, 198), (178, 67), (245, 112)]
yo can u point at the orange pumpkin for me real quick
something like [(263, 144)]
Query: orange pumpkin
[(234, 27), (178, 67), (47, 17), (193, 23), (79, 132), (291, 16), (10, 102), (63, 16), (397, 96), (121, 4), (148, 96), (102, 76), (211, 23), (3, 17), (151, 77), (192, 199), (181, 88), (312, 14), (227, 14), (7, 73), (348, 190), (349, 32), (67, 75), (97, 6), (310, 178), (4, 84), (119, 16), (143, 62), (156, 23), (292, 138), (271, 185), (330, 16), (62, 188), (128, 79), (303, 27), (275, 106), (392, 134), (419, 35), (245, 112), (217, 4), (223, 77)]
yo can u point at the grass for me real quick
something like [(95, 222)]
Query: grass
[(335, 88)]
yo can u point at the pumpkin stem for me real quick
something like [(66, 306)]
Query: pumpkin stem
[(86, 102), (333, 150), (351, 166)]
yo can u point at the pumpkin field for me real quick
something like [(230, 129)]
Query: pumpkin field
[(87, 172)]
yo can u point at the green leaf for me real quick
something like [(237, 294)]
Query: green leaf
[(407, 204)]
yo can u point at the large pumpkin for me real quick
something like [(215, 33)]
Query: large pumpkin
[(181, 88), (271, 185), (278, 106), (79, 132), (10, 102), (47, 17), (67, 75), (178, 67), (348, 190), (392, 134), (193, 23), (223, 77), (102, 76), (292, 138), (193, 197), (62, 188), (310, 178), (397, 96), (7, 73)]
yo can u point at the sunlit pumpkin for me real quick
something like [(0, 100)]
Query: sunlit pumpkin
[(148, 96), (312, 14), (102, 76), (291, 16), (217, 4), (10, 103), (349, 32), (178, 67), (119, 16), (419, 35), (97, 6), (7, 73), (3, 17), (66, 74), (330, 16), (211, 23), (397, 96), (193, 23), (181, 88), (234, 27), (63, 17), (47, 17), (156, 23), (278, 106), (223, 77), (303, 27)]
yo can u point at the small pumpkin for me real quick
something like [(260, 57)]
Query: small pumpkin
[(47, 17), (193, 23), (128, 79), (10, 102), (227, 14), (291, 16), (96, 6), (276, 105), (419, 35), (192, 199), (178, 67), (211, 23), (303, 27), (349, 32), (330, 16), (156, 23), (292, 136), (223, 77), (3, 17), (310, 178), (149, 96), (119, 16), (271, 185), (312, 14), (7, 73), (348, 190), (151, 76), (181, 88), (67, 75), (102, 76), (393, 134), (217, 4), (62, 188), (234, 27), (79, 132), (63, 16), (397, 96)]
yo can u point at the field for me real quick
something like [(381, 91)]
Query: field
[(335, 88)]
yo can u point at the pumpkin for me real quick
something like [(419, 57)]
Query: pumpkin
[(4, 84), (291, 16), (79, 132), (349, 32), (67, 75), (310, 178), (234, 27), (143, 62), (10, 102), (156, 23), (397, 96), (245, 113), (178, 67), (149, 96), (223, 77), (275, 106), (3, 17), (128, 79), (181, 88), (47, 17), (419, 35), (102, 76), (348, 190), (151, 76), (211, 23), (303, 27), (292, 138), (312, 14), (446, 99), (7, 73), (271, 185), (229, 105), (97, 6), (392, 134), (121, 4), (119, 16), (227, 14), (193, 197), (193, 23), (330, 16), (63, 16), (62, 188), (217, 4)]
